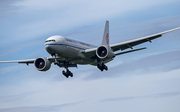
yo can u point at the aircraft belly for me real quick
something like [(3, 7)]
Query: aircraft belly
[(74, 55), (81, 62), (67, 52)]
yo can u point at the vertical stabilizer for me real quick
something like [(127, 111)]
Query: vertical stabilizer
[(105, 40)]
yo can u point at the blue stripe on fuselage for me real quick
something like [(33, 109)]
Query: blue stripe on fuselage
[(67, 45)]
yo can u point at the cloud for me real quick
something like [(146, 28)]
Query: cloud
[(13, 98), (109, 6), (126, 31), (7, 6), (56, 16), (42, 108), (49, 93), (14, 48), (9, 69), (159, 95)]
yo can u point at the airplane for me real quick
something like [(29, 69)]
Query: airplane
[(67, 52)]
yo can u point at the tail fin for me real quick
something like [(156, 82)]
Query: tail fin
[(105, 40)]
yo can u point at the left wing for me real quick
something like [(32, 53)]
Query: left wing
[(89, 52), (132, 43)]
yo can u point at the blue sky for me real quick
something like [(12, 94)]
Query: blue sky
[(143, 81)]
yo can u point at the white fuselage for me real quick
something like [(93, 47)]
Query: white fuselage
[(69, 49)]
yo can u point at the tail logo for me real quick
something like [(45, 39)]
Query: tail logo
[(107, 39)]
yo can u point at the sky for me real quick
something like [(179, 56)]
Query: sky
[(142, 81)]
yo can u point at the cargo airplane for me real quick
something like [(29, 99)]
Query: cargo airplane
[(67, 52)]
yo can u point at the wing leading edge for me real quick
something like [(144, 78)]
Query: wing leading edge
[(19, 61)]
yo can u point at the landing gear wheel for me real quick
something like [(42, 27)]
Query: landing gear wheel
[(66, 64), (71, 74), (65, 74), (102, 67), (105, 67)]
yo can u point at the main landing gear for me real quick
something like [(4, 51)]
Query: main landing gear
[(102, 66), (64, 64), (67, 73)]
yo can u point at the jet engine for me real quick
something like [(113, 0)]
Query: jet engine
[(103, 52), (42, 64)]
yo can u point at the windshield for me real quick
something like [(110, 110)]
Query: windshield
[(50, 41)]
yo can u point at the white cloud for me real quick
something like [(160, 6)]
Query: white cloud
[(8, 50), (40, 108), (48, 16), (133, 89), (108, 6), (6, 70)]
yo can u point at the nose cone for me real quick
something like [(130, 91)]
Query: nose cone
[(48, 48), (49, 44), (52, 41)]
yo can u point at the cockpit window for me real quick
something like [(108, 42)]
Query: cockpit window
[(50, 41)]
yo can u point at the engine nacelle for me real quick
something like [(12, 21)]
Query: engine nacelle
[(104, 52), (42, 64)]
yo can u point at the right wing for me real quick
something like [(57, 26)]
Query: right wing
[(27, 61), (31, 61), (132, 43), (130, 51)]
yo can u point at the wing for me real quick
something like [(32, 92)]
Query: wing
[(132, 43), (31, 61), (128, 44), (130, 51), (89, 52), (27, 61)]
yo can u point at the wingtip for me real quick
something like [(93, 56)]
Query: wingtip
[(171, 30)]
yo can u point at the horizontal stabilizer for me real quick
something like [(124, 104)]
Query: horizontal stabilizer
[(130, 51)]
